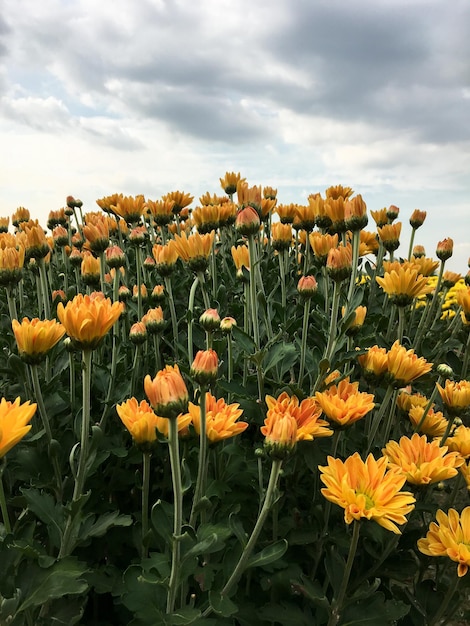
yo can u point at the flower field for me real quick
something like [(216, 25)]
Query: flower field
[(232, 412)]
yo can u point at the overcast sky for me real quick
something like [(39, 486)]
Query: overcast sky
[(150, 96)]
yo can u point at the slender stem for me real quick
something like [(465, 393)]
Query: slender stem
[(102, 267), (377, 418), (303, 345), (3, 500), (450, 423), (44, 288), (355, 261), (445, 603), (205, 296), (412, 239), (253, 298), (138, 264), (174, 322), (136, 368), (68, 539), (192, 295), (47, 427), (112, 376), (401, 323), (333, 321), (178, 513), (201, 471), (11, 302), (466, 358), (282, 272), (146, 456), (428, 406), (338, 602), (268, 501), (428, 315), (388, 424)]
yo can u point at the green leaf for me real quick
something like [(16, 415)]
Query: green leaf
[(334, 565), (162, 522), (312, 591), (374, 611), (108, 520), (237, 529), (269, 554), (42, 504), (202, 547), (221, 604), (284, 353), (243, 340), (63, 578)]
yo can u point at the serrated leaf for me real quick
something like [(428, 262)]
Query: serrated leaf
[(269, 554), (45, 508), (63, 578), (237, 528), (243, 340), (183, 616), (280, 353), (106, 521), (202, 547)]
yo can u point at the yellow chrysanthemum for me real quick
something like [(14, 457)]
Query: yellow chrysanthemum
[(14, 423), (367, 490), (422, 462), (402, 285), (450, 537), (88, 318), (194, 249), (455, 395), (344, 404), (36, 337), (306, 413), (460, 441), (221, 418), (434, 424), (404, 365)]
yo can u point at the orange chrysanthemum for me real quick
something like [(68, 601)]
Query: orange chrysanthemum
[(221, 418), (36, 337), (87, 318), (194, 249), (404, 365), (14, 423), (422, 462), (306, 413), (450, 537), (343, 404), (460, 441), (367, 489), (167, 392)]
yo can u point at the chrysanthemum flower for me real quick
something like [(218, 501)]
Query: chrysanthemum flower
[(167, 392), (286, 212), (407, 400), (417, 218), (87, 318), (281, 236), (389, 235), (460, 441), (404, 285), (14, 423), (221, 418), (241, 258), (96, 231), (367, 490), (404, 366), (380, 217), (434, 425), (194, 249), (160, 210), (450, 537), (306, 413), (343, 404), (12, 256), (455, 396), (36, 337), (368, 244), (339, 262), (355, 213), (130, 208), (154, 320), (139, 419), (205, 367), (247, 195), (247, 221), (421, 461), (230, 182)]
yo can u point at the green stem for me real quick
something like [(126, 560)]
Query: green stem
[(428, 406), (282, 272), (466, 359), (338, 602), (205, 296), (377, 418), (253, 298), (11, 302), (412, 239), (192, 295), (145, 500), (138, 264), (201, 471), (3, 500), (248, 549), (450, 423), (174, 322), (303, 345), (68, 540), (452, 589), (47, 428), (178, 513), (44, 288), (401, 323), (355, 262), (428, 315)]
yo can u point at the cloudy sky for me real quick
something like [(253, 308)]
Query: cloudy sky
[(150, 96)]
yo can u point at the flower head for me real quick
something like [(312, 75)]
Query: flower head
[(434, 424), (455, 396), (36, 337), (221, 418), (194, 249), (422, 462), (403, 284), (167, 392), (389, 235), (367, 489), (450, 537), (460, 441), (247, 221), (140, 420), (445, 249), (205, 367), (307, 286), (417, 218), (14, 423), (374, 363), (343, 404), (230, 182), (404, 366), (87, 318)]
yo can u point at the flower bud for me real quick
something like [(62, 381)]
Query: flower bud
[(204, 368), (226, 324), (138, 333), (445, 249), (307, 287), (247, 221), (167, 392), (417, 218), (210, 320)]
